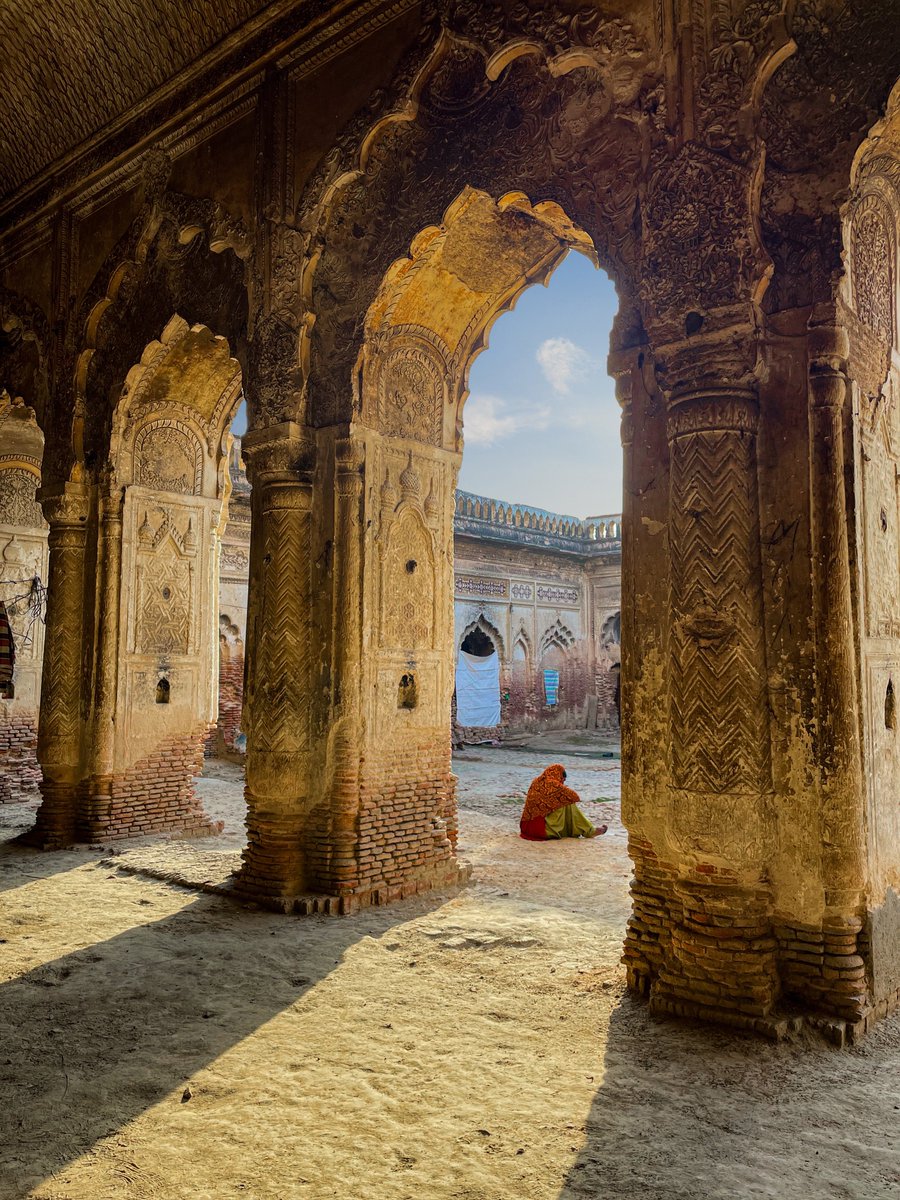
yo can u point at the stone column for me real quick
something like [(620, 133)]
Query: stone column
[(338, 853), (278, 702), (723, 952), (838, 737), (717, 702), (94, 819), (826, 967), (60, 727)]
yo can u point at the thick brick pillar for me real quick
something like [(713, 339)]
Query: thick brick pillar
[(278, 700), (60, 729), (722, 949)]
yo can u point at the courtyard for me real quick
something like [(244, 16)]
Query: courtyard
[(163, 1042)]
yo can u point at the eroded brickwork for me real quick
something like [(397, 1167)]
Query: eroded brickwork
[(20, 773), (155, 795)]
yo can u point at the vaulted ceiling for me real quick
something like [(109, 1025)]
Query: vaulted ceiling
[(69, 68)]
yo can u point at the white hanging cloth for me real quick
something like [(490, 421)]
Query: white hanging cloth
[(478, 690)]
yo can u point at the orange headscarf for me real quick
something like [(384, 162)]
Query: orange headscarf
[(548, 793)]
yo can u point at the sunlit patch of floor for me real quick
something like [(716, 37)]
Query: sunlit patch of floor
[(428, 1055), (48, 918)]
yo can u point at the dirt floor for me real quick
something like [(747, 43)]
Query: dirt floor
[(161, 1042)]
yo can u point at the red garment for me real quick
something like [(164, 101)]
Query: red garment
[(534, 830), (546, 794)]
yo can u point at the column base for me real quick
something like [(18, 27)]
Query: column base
[(707, 947), (54, 827), (448, 874)]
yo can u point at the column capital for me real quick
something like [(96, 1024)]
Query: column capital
[(722, 358), (66, 504), (281, 453), (713, 408)]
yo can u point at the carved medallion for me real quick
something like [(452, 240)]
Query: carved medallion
[(411, 396)]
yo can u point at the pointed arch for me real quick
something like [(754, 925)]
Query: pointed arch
[(488, 628)]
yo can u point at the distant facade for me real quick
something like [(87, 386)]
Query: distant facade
[(540, 590), (23, 577), (545, 591)]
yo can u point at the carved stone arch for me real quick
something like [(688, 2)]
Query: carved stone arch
[(522, 637), (611, 630), (873, 267), (178, 256), (21, 452), (168, 458), (18, 491), (549, 125), (186, 383), (558, 635), (409, 392)]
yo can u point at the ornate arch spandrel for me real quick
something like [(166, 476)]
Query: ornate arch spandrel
[(571, 143), (180, 255)]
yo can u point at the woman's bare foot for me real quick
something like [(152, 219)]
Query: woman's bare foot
[(600, 830)]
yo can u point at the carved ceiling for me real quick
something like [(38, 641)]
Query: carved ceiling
[(71, 67)]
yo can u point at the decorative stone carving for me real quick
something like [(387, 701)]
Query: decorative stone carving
[(18, 505), (168, 458), (164, 599), (873, 258), (719, 739), (408, 582), (697, 237), (165, 588), (411, 395)]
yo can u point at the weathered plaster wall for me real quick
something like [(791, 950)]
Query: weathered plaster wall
[(542, 608)]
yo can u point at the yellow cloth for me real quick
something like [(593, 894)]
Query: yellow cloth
[(567, 822)]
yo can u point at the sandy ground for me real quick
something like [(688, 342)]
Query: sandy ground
[(159, 1042)]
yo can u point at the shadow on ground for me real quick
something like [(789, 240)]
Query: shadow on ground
[(691, 1113), (80, 1070)]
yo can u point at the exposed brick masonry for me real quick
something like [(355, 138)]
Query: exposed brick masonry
[(156, 795), (20, 775)]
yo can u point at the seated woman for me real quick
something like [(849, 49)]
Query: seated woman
[(551, 810)]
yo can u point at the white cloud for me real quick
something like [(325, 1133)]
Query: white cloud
[(487, 420), (563, 363)]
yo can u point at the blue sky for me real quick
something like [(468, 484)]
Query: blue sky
[(541, 423)]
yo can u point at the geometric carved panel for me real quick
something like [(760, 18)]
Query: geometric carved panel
[(718, 699), (164, 615)]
